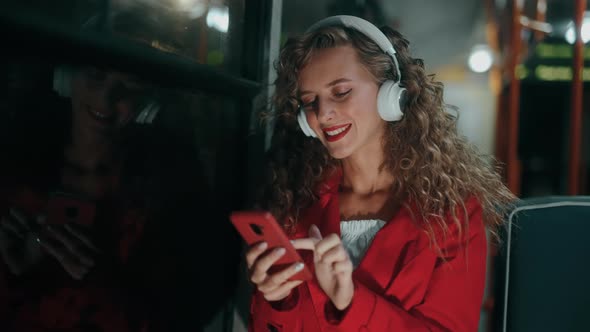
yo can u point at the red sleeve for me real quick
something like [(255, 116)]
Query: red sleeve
[(263, 313), (453, 297)]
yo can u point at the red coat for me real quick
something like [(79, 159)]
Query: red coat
[(401, 284)]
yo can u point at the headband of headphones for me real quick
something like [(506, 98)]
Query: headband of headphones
[(364, 27)]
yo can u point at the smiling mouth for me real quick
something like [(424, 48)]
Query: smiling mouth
[(333, 134), (101, 118)]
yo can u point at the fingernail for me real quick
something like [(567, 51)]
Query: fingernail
[(298, 267), (280, 251), (262, 245), (292, 241)]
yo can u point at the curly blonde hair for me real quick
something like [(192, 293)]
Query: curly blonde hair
[(433, 166)]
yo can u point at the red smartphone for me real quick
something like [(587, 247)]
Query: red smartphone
[(259, 226), (65, 208)]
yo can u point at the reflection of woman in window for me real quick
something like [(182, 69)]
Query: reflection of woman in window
[(67, 223), (391, 202), (91, 203)]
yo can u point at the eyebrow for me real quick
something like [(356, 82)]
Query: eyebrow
[(334, 82)]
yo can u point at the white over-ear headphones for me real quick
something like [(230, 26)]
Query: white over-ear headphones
[(62, 84), (390, 96)]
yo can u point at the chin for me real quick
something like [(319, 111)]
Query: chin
[(339, 153)]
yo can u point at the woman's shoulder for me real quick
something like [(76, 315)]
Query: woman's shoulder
[(469, 208), (457, 223)]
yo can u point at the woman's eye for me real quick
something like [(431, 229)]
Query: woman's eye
[(342, 94), (308, 104)]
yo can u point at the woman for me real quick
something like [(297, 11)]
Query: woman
[(75, 162), (114, 266), (389, 203)]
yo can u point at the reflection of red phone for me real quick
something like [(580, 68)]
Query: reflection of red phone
[(64, 208), (258, 226)]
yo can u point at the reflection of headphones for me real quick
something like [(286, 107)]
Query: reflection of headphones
[(390, 98), (62, 84)]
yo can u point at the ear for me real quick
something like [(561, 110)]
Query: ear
[(148, 113)]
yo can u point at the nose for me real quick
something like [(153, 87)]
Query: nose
[(101, 100), (326, 111), (106, 96)]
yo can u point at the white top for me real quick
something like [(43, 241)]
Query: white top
[(357, 236)]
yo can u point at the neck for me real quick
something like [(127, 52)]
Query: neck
[(362, 172)]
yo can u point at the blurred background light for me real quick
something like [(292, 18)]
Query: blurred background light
[(481, 59)]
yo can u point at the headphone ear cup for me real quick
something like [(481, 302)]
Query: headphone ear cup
[(62, 81), (390, 101), (302, 119), (148, 113)]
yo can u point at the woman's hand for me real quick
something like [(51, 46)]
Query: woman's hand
[(24, 241), (70, 245), (333, 267), (274, 287), (19, 244)]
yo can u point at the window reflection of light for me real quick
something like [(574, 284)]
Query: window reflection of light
[(185, 3), (194, 8), (218, 18), (570, 35), (480, 59)]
